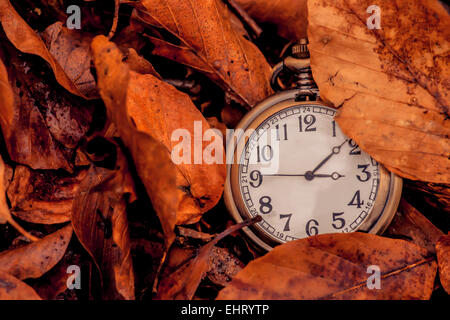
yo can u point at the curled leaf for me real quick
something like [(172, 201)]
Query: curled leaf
[(100, 222), (5, 214), (181, 284), (159, 110), (41, 123), (43, 196), (70, 49), (151, 157), (26, 40)]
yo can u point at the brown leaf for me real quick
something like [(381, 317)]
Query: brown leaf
[(100, 222), (211, 43), (139, 64), (43, 196), (151, 158), (393, 83), (443, 257), (54, 282), (40, 122), (159, 109), (289, 16), (231, 115), (5, 214), (194, 234), (12, 288), (334, 266), (436, 195), (182, 284), (223, 266), (27, 41), (410, 223), (36, 258), (70, 48)]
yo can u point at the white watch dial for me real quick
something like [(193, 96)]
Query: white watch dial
[(304, 176)]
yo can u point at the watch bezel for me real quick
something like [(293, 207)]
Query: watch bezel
[(389, 188)]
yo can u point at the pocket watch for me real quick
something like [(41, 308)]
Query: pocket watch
[(291, 164)]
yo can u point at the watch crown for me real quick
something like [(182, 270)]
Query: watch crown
[(300, 50)]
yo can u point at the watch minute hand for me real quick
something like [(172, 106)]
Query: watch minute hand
[(334, 151)]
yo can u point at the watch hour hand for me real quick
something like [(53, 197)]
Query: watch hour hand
[(283, 175)]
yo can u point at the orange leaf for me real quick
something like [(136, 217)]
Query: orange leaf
[(26, 40), (100, 222), (410, 223), (151, 157), (12, 288), (158, 109), (392, 83), (212, 43), (334, 266), (182, 284), (443, 257), (43, 197), (36, 258), (70, 48), (41, 122)]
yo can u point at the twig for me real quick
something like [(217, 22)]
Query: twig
[(245, 17), (22, 230), (115, 20)]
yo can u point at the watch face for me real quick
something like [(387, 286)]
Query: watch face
[(304, 176)]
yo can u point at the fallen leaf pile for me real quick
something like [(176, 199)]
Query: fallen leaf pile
[(87, 182)]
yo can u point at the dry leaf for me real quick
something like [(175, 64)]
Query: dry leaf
[(139, 64), (41, 123), (151, 158), (5, 214), (392, 84), (100, 222), (12, 288), (443, 257), (182, 284), (54, 282), (159, 109), (435, 194), (411, 224), (26, 40), (211, 43), (289, 16), (334, 266), (36, 258), (43, 196), (70, 49), (223, 266)]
